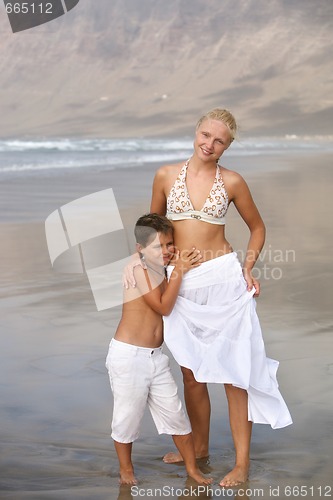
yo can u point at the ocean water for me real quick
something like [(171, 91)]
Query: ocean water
[(27, 156)]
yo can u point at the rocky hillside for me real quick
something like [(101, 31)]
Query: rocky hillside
[(151, 67)]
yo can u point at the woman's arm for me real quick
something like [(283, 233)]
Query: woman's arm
[(242, 198)]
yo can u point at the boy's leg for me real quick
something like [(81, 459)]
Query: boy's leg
[(130, 386), (126, 471), (198, 409), (129, 379), (185, 447), (169, 416)]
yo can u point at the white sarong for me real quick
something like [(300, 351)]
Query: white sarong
[(214, 331)]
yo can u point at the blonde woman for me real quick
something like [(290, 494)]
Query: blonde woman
[(213, 331)]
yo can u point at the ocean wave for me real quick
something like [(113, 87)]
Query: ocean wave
[(92, 145), (22, 155), (111, 162), (153, 144)]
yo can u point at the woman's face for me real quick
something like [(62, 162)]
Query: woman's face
[(212, 138)]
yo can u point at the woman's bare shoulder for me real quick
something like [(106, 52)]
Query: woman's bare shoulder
[(234, 183), (231, 177)]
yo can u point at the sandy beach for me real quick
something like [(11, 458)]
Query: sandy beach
[(56, 402)]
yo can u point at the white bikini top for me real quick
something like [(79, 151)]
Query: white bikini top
[(179, 205)]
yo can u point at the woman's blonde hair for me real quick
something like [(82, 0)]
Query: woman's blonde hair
[(224, 116)]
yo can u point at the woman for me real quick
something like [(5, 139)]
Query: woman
[(213, 331)]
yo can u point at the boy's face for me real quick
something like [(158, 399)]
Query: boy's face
[(160, 250)]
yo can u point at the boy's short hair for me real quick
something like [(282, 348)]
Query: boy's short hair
[(148, 225)]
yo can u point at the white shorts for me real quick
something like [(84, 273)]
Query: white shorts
[(141, 376)]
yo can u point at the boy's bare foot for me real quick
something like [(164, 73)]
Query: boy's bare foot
[(198, 477), (174, 457), (237, 476), (127, 477)]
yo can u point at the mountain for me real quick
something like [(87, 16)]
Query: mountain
[(150, 67)]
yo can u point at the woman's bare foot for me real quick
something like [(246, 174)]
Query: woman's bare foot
[(198, 477), (127, 477), (237, 476), (174, 457)]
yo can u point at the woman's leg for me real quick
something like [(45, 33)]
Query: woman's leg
[(241, 430), (198, 409)]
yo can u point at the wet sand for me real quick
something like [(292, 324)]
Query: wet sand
[(56, 402)]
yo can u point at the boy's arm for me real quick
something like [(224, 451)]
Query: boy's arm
[(163, 303)]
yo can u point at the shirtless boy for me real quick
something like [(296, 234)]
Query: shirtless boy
[(139, 371)]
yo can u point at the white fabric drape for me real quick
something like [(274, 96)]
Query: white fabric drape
[(214, 331)]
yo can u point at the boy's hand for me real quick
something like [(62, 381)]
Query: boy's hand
[(128, 273), (186, 260)]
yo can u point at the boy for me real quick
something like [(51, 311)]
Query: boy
[(139, 371)]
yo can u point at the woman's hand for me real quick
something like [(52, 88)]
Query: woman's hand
[(251, 282), (128, 273)]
